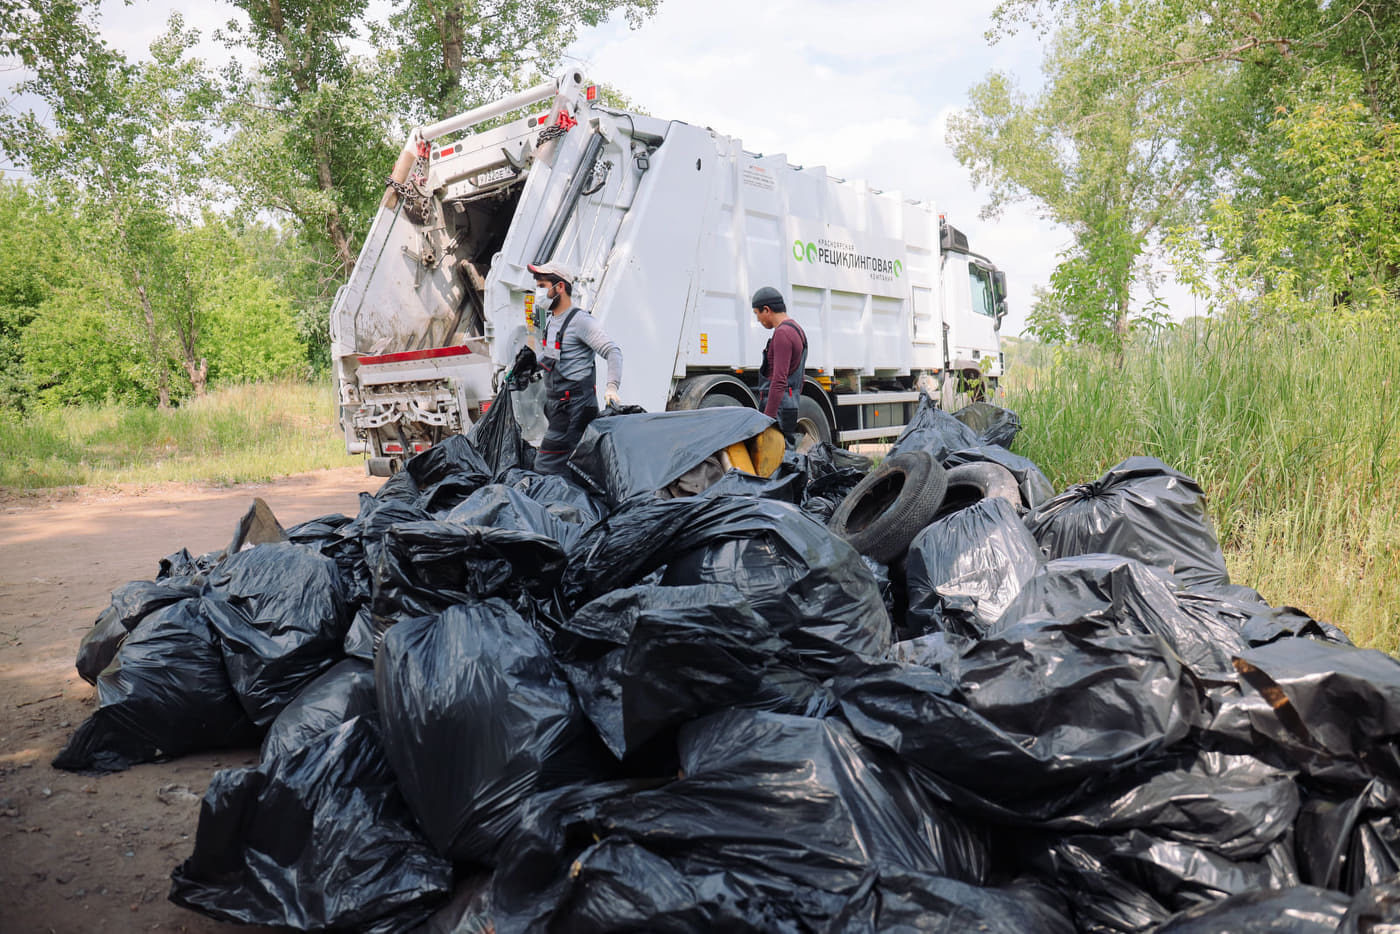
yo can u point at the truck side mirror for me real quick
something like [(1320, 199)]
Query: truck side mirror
[(999, 286), (1001, 313)]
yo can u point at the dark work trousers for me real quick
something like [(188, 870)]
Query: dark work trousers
[(570, 406)]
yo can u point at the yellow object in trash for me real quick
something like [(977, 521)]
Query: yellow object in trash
[(766, 451), (739, 457)]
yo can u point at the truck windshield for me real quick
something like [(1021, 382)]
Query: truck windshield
[(982, 301)]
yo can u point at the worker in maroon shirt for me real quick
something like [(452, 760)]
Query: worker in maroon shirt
[(784, 361)]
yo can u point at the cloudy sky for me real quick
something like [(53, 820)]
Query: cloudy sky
[(863, 88)]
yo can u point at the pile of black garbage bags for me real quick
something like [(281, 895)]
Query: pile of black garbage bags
[(499, 701)]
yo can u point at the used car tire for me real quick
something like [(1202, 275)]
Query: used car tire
[(890, 505), (972, 483)]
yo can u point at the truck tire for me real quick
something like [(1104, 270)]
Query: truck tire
[(812, 426), (972, 483), (892, 504)]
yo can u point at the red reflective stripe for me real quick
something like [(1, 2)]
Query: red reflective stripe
[(416, 355)]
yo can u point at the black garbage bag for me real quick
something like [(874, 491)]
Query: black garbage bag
[(964, 570), (1237, 806), (1333, 711), (1258, 623), (281, 618), (496, 436), (1130, 881), (165, 694), (1373, 910), (917, 902), (1035, 487), (779, 823), (337, 537), (785, 484), (364, 542), (565, 499), (1141, 509), (1136, 598), (318, 838), (344, 692), (439, 478), (476, 719), (1299, 909), (131, 603), (631, 455), (1031, 720), (648, 659), (503, 507), (807, 584), (1349, 841), (831, 474), (181, 564), (426, 567), (935, 431), (993, 424)]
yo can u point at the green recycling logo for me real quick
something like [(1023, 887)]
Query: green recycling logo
[(845, 257)]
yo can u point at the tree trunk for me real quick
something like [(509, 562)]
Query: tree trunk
[(199, 375), (334, 226)]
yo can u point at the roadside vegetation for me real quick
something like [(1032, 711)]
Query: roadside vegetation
[(236, 434), (1292, 429)]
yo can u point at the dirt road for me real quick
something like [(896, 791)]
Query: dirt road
[(95, 853)]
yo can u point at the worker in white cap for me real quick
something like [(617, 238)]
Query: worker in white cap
[(571, 339)]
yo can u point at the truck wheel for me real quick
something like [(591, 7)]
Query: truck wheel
[(812, 426), (717, 400), (892, 504), (972, 483)]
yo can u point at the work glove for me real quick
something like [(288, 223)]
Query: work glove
[(525, 367), (611, 398)]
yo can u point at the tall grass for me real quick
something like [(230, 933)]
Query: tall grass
[(1292, 430), (233, 435)]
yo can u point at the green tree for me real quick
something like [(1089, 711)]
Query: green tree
[(311, 125), (127, 144), (1097, 150), (451, 55), (35, 261)]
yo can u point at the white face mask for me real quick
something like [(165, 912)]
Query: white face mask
[(542, 300)]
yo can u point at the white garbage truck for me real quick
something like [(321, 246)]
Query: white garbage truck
[(671, 227)]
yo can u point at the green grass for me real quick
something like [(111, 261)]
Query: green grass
[(1292, 430), (234, 435)]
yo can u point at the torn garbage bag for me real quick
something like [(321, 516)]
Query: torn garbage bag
[(934, 431), (281, 619), (1141, 509), (648, 659), (314, 839), (165, 694), (993, 424), (1258, 623), (1333, 710), (344, 692), (779, 823), (808, 585), (1029, 720), (630, 455), (964, 570), (476, 719)]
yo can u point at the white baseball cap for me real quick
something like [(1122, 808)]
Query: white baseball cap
[(552, 268)]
